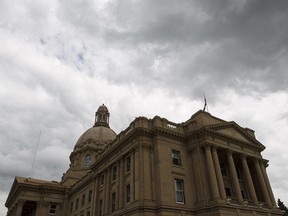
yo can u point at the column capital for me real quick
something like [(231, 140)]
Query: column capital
[(229, 152), (256, 160), (20, 202), (264, 162), (243, 156), (207, 147), (214, 148), (43, 203)]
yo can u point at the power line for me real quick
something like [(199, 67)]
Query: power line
[(35, 154)]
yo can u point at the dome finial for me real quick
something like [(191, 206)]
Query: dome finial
[(102, 116)]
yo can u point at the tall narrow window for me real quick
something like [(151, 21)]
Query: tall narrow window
[(113, 202), (102, 180), (77, 203), (90, 196), (114, 172), (71, 207), (52, 210), (179, 190), (100, 207), (87, 160), (223, 169), (228, 192), (128, 163), (128, 193), (176, 157), (83, 200)]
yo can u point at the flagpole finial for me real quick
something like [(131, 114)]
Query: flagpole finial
[(205, 103)]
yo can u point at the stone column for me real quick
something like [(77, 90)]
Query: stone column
[(147, 180), (218, 173), (199, 179), (136, 175), (95, 195), (272, 198), (249, 179), (234, 177), (262, 183), (263, 168), (19, 207), (107, 202), (42, 208), (121, 182), (212, 174)]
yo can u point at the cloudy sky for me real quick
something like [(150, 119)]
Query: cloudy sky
[(60, 60)]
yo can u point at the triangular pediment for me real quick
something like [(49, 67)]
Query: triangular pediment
[(232, 130)]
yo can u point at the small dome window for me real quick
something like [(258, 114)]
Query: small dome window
[(87, 160)]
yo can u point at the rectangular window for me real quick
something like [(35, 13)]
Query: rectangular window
[(128, 163), (90, 196), (113, 202), (77, 203), (228, 192), (83, 200), (223, 169), (176, 157), (128, 193), (114, 172), (88, 213), (179, 190), (71, 207), (102, 177), (52, 209), (100, 207)]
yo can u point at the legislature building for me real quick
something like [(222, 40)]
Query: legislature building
[(155, 167)]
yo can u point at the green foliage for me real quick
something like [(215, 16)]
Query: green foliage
[(282, 207)]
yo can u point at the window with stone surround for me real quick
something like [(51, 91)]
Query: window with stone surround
[(114, 172), (90, 196), (128, 193), (113, 202), (52, 209), (176, 157), (179, 190), (128, 163)]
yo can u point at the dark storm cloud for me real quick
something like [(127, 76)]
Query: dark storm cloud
[(246, 43)]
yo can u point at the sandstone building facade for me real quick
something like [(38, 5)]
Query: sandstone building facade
[(204, 166)]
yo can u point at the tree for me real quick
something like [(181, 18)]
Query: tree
[(282, 207)]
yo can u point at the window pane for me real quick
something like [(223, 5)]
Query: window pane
[(176, 157), (113, 201), (127, 193), (180, 197), (128, 163), (90, 196), (179, 190)]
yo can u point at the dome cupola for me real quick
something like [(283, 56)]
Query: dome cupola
[(102, 116), (89, 144)]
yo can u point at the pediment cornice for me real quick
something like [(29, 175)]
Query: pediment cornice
[(232, 131)]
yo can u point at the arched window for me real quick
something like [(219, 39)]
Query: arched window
[(87, 160)]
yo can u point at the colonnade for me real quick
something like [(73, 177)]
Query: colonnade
[(216, 181), (41, 208)]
